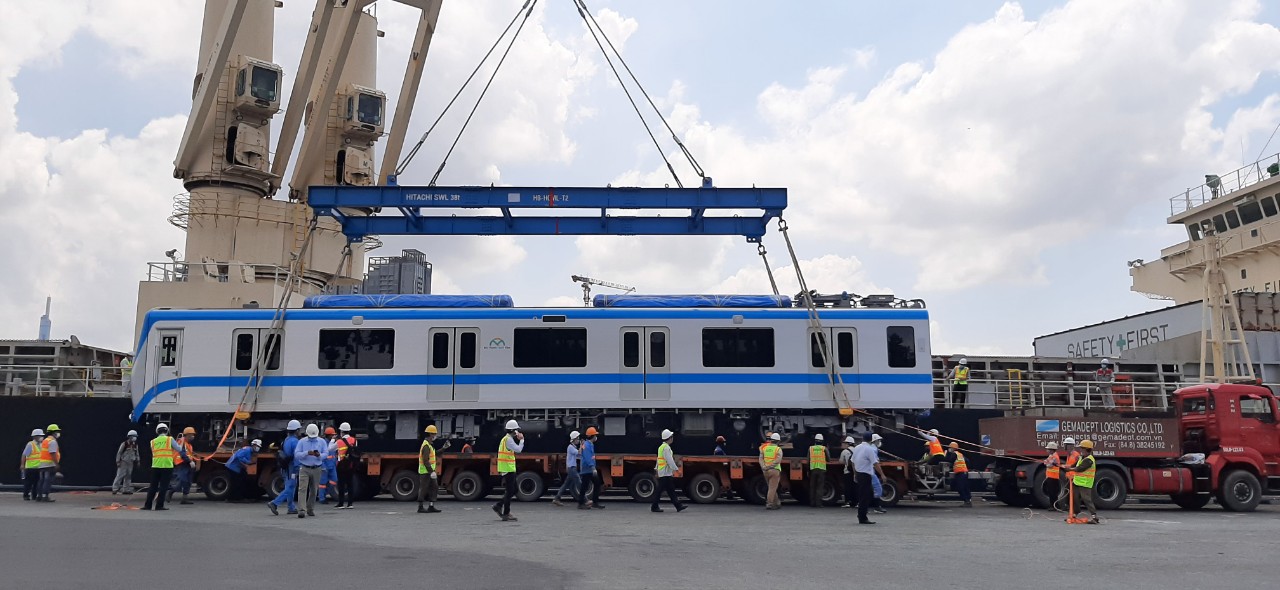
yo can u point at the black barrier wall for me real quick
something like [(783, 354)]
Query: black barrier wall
[(92, 430)]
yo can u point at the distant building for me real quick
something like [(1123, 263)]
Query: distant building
[(58, 367), (406, 274)]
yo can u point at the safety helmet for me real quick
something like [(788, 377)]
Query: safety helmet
[(719, 439), (953, 445), (313, 431), (513, 425), (257, 442), (188, 430), (345, 427), (875, 438), (591, 431), (132, 433), (1069, 441), (52, 428), (431, 429), (329, 431), (293, 425), (575, 435), (1086, 444), (817, 437), (775, 437), (933, 431), (1052, 446), (37, 432), (1106, 362), (850, 440), (964, 361), (162, 427), (666, 434)]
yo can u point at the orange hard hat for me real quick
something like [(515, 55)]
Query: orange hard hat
[(188, 430), (953, 446), (591, 431), (329, 431), (719, 439)]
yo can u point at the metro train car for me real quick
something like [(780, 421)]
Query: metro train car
[(631, 365)]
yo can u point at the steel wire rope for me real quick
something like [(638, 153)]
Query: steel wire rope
[(588, 20), (530, 4), (400, 168), (583, 10)]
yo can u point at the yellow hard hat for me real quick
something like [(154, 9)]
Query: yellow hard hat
[(53, 428), (1086, 444), (432, 429), (188, 430)]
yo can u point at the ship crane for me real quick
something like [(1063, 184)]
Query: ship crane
[(588, 281)]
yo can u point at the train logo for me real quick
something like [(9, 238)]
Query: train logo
[(497, 344)]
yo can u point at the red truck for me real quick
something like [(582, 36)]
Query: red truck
[(1235, 427)]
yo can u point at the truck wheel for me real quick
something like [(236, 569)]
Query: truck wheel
[(529, 486), (756, 490), (1110, 490), (277, 485), (1190, 501), (830, 493), (218, 486), (1038, 495), (890, 495), (704, 488), (643, 487), (404, 486), (365, 488), (798, 492), (1240, 492), (1007, 492), (467, 486)]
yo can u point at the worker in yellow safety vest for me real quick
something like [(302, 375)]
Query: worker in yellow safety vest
[(960, 383), (428, 471), (164, 451), (771, 464), (960, 474), (30, 466), (50, 460), (1052, 471), (1082, 481), (511, 443), (818, 459), (666, 468)]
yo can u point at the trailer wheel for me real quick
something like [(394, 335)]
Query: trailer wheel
[(643, 487), (830, 493), (1110, 490), (1190, 501), (218, 486), (756, 490), (1240, 492), (277, 485), (467, 486), (1038, 493), (529, 486), (404, 486), (889, 493), (365, 488), (704, 488)]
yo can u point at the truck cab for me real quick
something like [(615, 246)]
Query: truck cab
[(1237, 427)]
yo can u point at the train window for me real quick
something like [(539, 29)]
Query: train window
[(1250, 212), (1269, 206), (737, 347), (357, 349), (467, 350), (844, 349), (550, 347), (273, 352), (902, 346), (440, 350), (631, 349), (657, 349), (817, 342), (169, 351), (244, 352)]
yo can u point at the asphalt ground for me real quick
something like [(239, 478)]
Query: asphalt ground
[(385, 544)]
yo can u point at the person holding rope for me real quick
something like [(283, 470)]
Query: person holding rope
[(1082, 482), (1068, 446), (1052, 469), (960, 474)]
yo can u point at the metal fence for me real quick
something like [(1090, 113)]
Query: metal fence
[(215, 272), (1019, 394), (62, 381)]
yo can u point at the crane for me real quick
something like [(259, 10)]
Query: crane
[(588, 281)]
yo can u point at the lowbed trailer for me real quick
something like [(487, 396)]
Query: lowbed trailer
[(1235, 428)]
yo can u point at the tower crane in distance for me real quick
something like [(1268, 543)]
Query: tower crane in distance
[(588, 281)]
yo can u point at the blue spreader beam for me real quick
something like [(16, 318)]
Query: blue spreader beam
[(543, 211)]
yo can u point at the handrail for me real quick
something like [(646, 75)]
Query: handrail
[(62, 380), (1218, 186)]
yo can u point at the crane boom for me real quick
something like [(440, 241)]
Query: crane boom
[(588, 281)]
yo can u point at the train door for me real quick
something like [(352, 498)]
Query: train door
[(246, 345), (453, 355), (844, 358), (168, 365), (645, 364)]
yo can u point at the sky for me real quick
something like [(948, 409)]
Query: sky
[(1000, 160)]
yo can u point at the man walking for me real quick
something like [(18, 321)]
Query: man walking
[(511, 443), (126, 461), (50, 459), (864, 457), (428, 471), (666, 469), (185, 465), (30, 465), (346, 448), (817, 471), (877, 478), (288, 468), (960, 474), (238, 467), (572, 472), (589, 472), (771, 464), (164, 449), (308, 454)]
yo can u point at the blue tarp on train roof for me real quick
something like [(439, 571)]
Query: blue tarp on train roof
[(326, 301), (691, 301)]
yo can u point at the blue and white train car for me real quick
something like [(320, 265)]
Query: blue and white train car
[(701, 365)]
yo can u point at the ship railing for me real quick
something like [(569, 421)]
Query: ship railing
[(214, 272), (62, 381), (1216, 186), (1004, 394)]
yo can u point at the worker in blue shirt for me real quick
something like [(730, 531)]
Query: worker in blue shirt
[(329, 478), (309, 454), (289, 467), (238, 467), (719, 447), (590, 474)]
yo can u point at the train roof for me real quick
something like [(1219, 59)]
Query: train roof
[(407, 301), (691, 301)]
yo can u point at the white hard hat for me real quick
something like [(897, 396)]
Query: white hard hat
[(964, 361), (575, 435), (345, 427), (666, 434), (933, 431), (876, 438), (1106, 361), (849, 439), (132, 433), (1068, 441), (513, 425), (294, 425), (1052, 446), (37, 432), (313, 431), (257, 442), (161, 426), (817, 437), (775, 436)]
